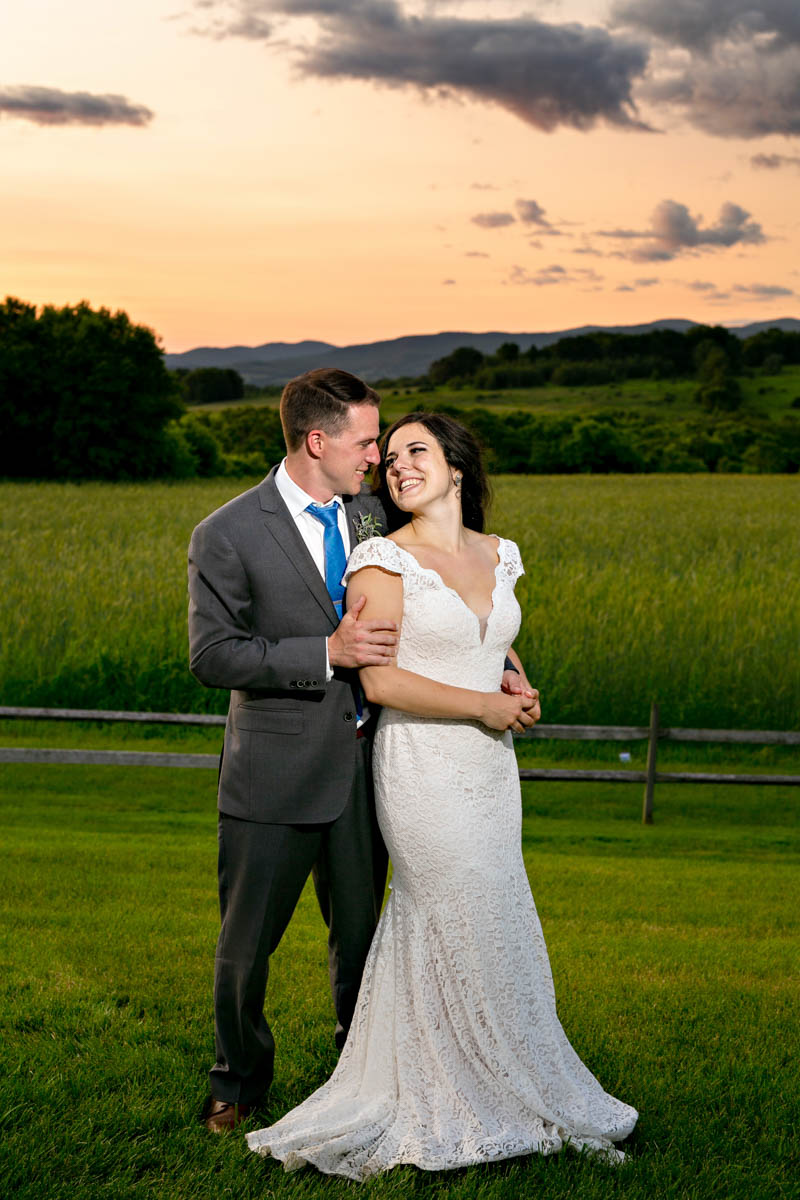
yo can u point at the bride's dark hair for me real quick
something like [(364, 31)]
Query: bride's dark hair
[(461, 452)]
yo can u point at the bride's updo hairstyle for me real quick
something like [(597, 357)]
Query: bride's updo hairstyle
[(461, 453)]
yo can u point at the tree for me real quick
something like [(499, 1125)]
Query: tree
[(718, 389), (84, 393), (719, 336), (461, 364), (212, 385), (761, 346)]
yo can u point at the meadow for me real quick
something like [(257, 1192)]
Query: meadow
[(767, 395), (771, 395), (679, 588), (674, 946), (674, 951)]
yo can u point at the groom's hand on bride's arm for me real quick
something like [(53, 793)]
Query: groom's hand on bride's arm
[(358, 643), (515, 683)]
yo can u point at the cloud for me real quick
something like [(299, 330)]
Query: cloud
[(731, 66), (50, 106), (752, 291), (553, 276), (762, 291), (448, 282), (621, 234), (709, 291), (773, 162), (737, 92), (532, 213), (637, 284), (674, 231), (475, 254), (699, 24), (548, 75), (493, 220)]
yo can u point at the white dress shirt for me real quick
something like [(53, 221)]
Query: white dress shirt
[(310, 529)]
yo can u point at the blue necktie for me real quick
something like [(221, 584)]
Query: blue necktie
[(335, 563), (335, 557)]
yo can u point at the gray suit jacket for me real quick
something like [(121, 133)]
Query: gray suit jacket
[(259, 614)]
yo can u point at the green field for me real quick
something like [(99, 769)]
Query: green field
[(674, 951), (682, 588), (771, 395), (674, 947)]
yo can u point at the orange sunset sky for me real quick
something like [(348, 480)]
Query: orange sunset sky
[(243, 171)]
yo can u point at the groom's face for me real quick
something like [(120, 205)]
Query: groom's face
[(348, 456)]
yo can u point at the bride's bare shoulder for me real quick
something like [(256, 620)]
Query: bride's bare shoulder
[(487, 543)]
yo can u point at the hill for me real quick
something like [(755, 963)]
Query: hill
[(411, 356)]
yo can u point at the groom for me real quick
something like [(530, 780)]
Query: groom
[(295, 791)]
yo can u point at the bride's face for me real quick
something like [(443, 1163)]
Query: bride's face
[(416, 470)]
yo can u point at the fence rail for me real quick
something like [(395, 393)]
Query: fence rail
[(654, 733)]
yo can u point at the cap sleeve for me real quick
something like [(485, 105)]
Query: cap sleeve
[(512, 560), (374, 552)]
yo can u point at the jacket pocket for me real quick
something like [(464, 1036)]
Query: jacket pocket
[(267, 720)]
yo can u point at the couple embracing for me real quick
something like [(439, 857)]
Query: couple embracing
[(366, 640)]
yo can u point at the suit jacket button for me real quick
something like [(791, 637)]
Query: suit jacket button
[(348, 716)]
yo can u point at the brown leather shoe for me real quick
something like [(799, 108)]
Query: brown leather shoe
[(223, 1118)]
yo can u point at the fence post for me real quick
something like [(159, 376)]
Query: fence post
[(652, 752)]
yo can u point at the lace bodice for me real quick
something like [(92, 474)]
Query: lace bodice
[(459, 649)]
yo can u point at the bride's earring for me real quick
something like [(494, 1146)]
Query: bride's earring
[(457, 481)]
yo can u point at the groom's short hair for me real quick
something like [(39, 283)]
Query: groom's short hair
[(320, 400)]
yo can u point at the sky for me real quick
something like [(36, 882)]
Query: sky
[(247, 171)]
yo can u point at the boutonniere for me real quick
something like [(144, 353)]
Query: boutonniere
[(366, 526)]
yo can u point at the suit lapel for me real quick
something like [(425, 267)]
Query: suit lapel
[(283, 530), (354, 508)]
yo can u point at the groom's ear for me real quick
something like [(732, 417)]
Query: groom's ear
[(315, 442)]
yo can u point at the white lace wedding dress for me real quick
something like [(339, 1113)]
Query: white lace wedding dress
[(455, 1054)]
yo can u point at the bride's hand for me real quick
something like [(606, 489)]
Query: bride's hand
[(500, 711), (531, 708)]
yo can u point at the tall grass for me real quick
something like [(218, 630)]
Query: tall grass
[(682, 588)]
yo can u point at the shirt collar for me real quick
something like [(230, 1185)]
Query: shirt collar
[(293, 496)]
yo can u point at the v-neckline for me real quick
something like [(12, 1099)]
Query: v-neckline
[(482, 627)]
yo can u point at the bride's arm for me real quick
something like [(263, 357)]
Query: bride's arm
[(407, 691)]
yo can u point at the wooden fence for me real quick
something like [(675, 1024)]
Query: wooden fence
[(654, 733)]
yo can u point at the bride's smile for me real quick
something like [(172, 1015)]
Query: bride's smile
[(416, 468)]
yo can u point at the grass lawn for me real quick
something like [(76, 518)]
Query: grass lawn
[(674, 950)]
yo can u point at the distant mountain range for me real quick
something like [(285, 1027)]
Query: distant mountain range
[(275, 362)]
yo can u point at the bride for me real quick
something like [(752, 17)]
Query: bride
[(455, 1054)]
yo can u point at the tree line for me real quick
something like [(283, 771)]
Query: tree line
[(710, 354), (85, 394), (521, 442)]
